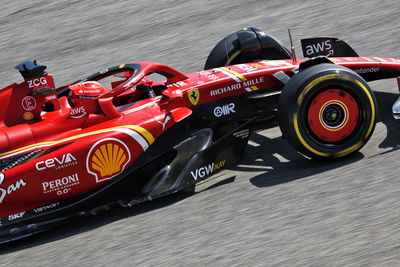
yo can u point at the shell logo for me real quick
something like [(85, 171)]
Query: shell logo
[(107, 158)]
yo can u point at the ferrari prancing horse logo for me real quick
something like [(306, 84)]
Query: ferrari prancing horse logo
[(194, 96)]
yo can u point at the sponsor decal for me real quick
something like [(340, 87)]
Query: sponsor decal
[(37, 82), (255, 65), (103, 71), (4, 192), (47, 207), (324, 46), (28, 103), (194, 96), (349, 59), (225, 89), (367, 70), (78, 112), (57, 163), (224, 110), (50, 97), (246, 67), (23, 214), (275, 62), (90, 91), (207, 170), (381, 59), (249, 85), (62, 185), (16, 216), (107, 158), (367, 59), (166, 120), (28, 116), (242, 134), (209, 75), (233, 74), (180, 84)]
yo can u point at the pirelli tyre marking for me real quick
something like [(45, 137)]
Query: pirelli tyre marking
[(312, 85), (232, 57)]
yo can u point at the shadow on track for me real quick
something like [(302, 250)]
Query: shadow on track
[(90, 222), (278, 161), (392, 139), (283, 164)]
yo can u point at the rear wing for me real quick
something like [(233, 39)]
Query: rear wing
[(326, 46)]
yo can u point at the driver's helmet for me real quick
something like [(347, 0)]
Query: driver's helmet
[(87, 90)]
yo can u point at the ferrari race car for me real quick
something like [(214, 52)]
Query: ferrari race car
[(121, 137)]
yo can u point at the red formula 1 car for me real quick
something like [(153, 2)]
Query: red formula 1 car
[(79, 148)]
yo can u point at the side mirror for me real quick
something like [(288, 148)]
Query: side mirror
[(169, 96), (172, 94)]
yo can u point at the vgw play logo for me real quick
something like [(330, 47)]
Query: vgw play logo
[(207, 170)]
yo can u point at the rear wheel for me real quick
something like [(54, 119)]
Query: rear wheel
[(246, 45), (327, 111)]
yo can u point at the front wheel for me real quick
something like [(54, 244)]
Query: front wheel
[(327, 111)]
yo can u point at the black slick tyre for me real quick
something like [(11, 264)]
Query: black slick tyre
[(327, 111)]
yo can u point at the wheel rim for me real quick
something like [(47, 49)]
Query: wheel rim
[(333, 115)]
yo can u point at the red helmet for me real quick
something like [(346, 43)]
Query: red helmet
[(89, 89)]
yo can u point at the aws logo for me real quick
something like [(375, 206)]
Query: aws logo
[(319, 48), (107, 158)]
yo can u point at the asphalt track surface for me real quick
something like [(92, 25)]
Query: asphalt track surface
[(277, 208)]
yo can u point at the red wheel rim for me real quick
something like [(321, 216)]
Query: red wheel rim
[(333, 115)]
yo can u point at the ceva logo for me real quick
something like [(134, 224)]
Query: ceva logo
[(65, 160)]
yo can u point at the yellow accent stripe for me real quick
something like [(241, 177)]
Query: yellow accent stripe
[(121, 66), (146, 134), (308, 88), (240, 76)]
